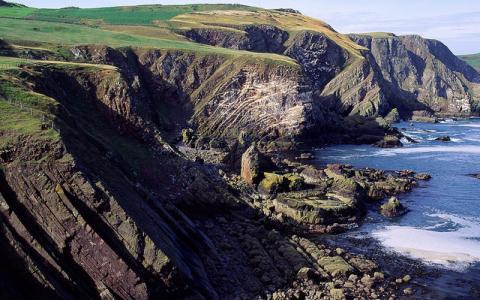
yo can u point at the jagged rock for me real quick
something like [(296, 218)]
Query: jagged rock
[(408, 291), (424, 116), (254, 164), (313, 175), (306, 273), (392, 208)]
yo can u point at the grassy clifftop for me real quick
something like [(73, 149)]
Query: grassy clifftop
[(472, 59), (154, 26)]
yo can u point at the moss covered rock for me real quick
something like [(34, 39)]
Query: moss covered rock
[(295, 182), (392, 208), (393, 116), (272, 183), (335, 265)]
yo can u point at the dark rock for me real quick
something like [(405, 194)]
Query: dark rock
[(389, 141), (443, 139)]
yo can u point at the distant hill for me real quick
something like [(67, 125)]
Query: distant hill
[(472, 59), (8, 4)]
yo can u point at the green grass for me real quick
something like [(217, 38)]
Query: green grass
[(127, 15), (16, 11), (73, 34), (472, 59), (16, 120)]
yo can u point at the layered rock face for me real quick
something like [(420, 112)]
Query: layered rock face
[(414, 69), (408, 73), (105, 208), (220, 98)]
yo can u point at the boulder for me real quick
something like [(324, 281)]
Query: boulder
[(335, 265), (272, 183), (306, 274), (363, 265), (295, 182), (445, 138), (337, 294), (312, 175), (392, 208), (389, 141), (348, 191), (254, 164)]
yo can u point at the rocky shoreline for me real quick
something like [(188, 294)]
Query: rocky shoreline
[(303, 202)]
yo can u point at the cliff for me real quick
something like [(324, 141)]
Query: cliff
[(97, 200), (414, 69), (96, 204)]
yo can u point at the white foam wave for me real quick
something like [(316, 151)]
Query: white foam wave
[(470, 125), (452, 249), (432, 149)]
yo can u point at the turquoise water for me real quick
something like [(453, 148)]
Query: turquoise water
[(443, 225)]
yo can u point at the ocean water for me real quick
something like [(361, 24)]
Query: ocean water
[(442, 227)]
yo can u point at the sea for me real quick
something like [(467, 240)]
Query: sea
[(442, 226)]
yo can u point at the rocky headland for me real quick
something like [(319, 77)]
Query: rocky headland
[(145, 173)]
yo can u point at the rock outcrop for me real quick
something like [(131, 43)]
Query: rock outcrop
[(254, 164), (414, 71), (393, 208)]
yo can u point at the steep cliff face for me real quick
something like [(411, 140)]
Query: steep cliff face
[(219, 97), (259, 38), (83, 209), (94, 204), (417, 69)]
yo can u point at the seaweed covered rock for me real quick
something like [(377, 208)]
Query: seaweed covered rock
[(254, 163), (393, 208)]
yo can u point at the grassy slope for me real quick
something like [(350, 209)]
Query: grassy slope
[(472, 59), (149, 25), (293, 23), (24, 112), (127, 15), (42, 32)]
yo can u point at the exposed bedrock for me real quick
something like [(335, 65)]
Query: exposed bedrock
[(259, 38), (422, 70)]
